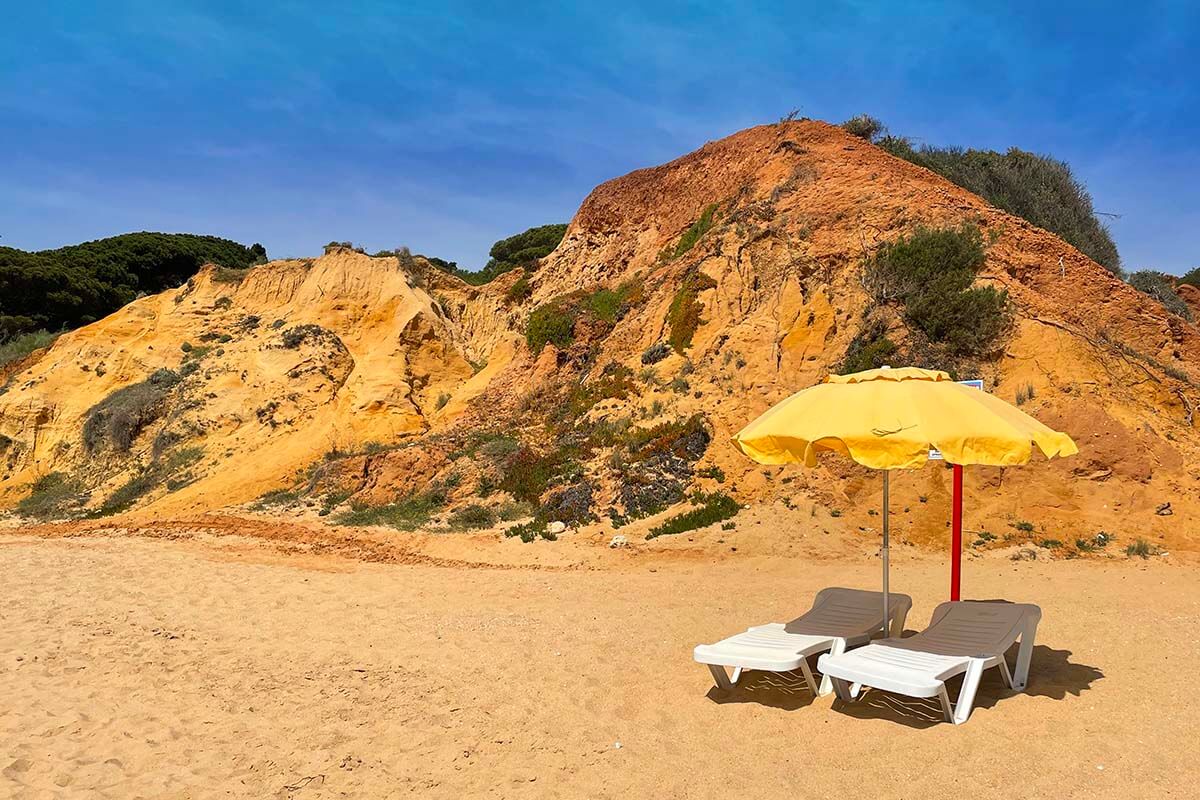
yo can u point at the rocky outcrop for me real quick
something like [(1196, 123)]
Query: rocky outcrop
[(407, 354)]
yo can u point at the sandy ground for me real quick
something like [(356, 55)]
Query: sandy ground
[(223, 667)]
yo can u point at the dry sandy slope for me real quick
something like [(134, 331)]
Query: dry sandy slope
[(221, 667)]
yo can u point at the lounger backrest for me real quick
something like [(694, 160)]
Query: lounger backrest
[(971, 628), (846, 613)]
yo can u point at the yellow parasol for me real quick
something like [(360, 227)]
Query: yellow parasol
[(890, 419)]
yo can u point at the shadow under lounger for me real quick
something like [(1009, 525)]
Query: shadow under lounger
[(963, 637), (839, 619)]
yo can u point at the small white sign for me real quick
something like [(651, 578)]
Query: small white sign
[(977, 383)]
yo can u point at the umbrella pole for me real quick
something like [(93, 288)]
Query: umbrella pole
[(956, 536), (886, 602)]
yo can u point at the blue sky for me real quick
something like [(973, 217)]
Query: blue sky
[(445, 126)]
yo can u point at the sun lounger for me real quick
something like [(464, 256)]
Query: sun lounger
[(839, 619), (963, 637)]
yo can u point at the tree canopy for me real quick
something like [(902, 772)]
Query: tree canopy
[(77, 284), (1040, 189), (522, 250)]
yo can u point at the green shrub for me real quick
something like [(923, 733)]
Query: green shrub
[(529, 531), (549, 324), (51, 496), (685, 439), (604, 304), (119, 418), (1036, 188), (407, 514), (227, 275), (276, 497), (870, 349), (655, 353), (1192, 278), (1161, 288), (683, 317), (864, 126), (13, 348), (170, 469), (472, 517), (983, 538), (515, 510), (931, 272), (1024, 526), (295, 336), (1025, 393), (520, 291), (615, 382), (696, 231), (554, 321), (500, 446), (128, 493), (528, 473), (1141, 549), (715, 507)]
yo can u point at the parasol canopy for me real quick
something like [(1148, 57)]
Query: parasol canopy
[(890, 418)]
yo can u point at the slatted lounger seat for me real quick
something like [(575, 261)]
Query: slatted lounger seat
[(839, 619), (962, 637)]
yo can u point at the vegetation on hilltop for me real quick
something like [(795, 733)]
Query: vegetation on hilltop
[(1037, 188), (1161, 287), (1192, 278), (74, 285), (930, 274), (523, 250)]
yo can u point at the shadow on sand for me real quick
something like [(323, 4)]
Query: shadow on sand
[(1052, 674), (785, 690)]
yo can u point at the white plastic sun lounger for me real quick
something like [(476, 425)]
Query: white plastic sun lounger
[(962, 637), (839, 618)]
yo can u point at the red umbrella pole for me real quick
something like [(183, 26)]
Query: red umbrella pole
[(956, 538)]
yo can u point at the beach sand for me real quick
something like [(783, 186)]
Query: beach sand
[(190, 667)]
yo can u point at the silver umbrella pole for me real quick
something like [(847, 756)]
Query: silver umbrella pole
[(886, 601)]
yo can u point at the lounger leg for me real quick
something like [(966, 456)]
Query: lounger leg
[(842, 689), (898, 622), (1025, 655), (737, 674), (839, 647), (808, 676), (1008, 678), (720, 677), (947, 709), (966, 695)]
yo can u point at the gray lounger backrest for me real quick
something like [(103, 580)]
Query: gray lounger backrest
[(847, 613), (972, 628)]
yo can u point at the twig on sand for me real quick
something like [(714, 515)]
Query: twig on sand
[(305, 781)]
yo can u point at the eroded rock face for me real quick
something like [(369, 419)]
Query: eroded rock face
[(298, 359), (407, 355)]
